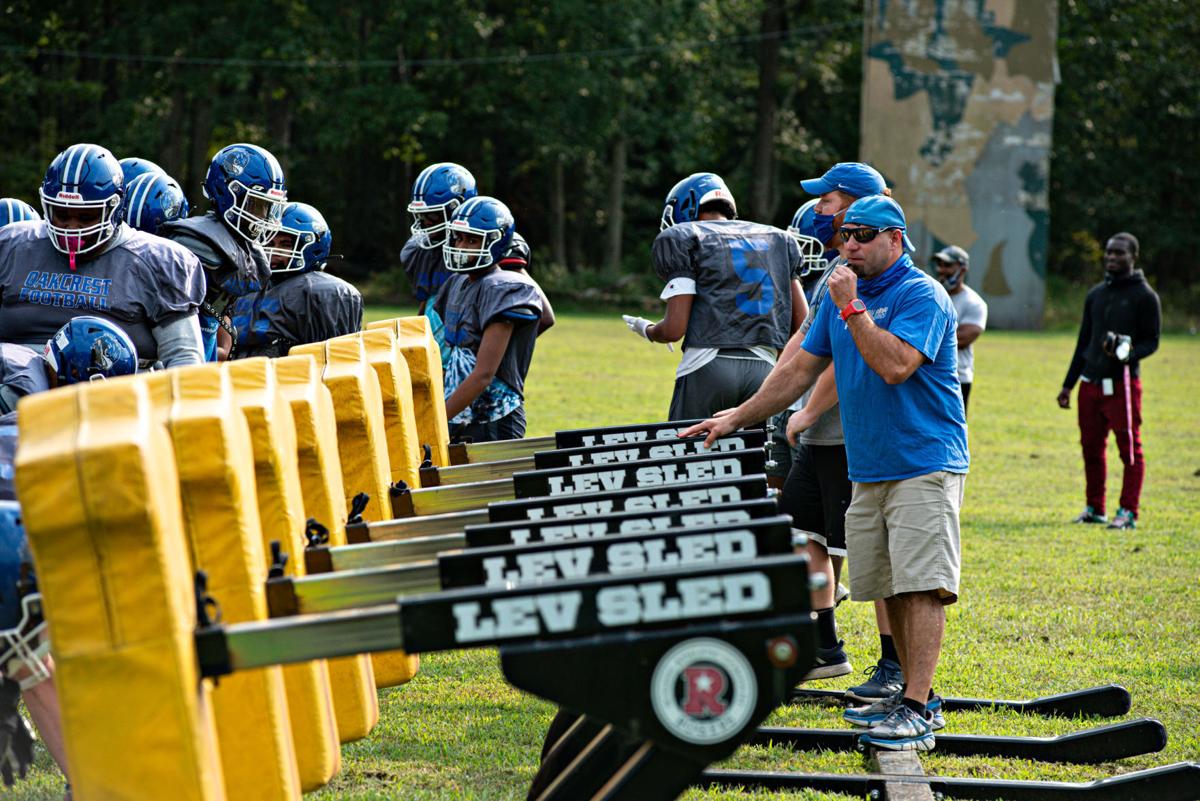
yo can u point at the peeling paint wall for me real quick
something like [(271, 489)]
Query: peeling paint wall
[(957, 106)]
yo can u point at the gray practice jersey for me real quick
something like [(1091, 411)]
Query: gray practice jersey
[(468, 307), (300, 308), (743, 273), (8, 456), (828, 428), (234, 266), (425, 269), (22, 372), (139, 282)]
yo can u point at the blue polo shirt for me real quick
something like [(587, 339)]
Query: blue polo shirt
[(918, 426)]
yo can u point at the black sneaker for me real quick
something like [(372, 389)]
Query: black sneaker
[(885, 679), (830, 662)]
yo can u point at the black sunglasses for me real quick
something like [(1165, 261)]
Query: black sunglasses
[(863, 235)]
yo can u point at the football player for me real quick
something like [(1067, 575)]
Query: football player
[(84, 260), (25, 665), (732, 292), (490, 320), (437, 192), (154, 198), (302, 303), (246, 188), (13, 210), (132, 167)]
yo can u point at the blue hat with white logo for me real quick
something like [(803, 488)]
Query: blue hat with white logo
[(879, 211), (852, 177)]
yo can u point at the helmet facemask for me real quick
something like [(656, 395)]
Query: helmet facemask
[(80, 226), (812, 252), (428, 236), (468, 258), (24, 647), (289, 258), (255, 212)]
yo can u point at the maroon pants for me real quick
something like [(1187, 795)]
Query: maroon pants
[(1121, 413)]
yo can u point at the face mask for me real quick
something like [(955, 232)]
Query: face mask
[(823, 226), (952, 281)]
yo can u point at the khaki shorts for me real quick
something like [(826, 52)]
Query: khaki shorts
[(902, 536)]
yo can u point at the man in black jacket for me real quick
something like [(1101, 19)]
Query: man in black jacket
[(1121, 320)]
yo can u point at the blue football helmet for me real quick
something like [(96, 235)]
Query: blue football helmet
[(21, 623), (13, 210), (812, 250), (87, 348), (83, 196), (132, 167), (686, 197), (437, 192), (245, 184), (483, 217), (302, 242), (152, 199)]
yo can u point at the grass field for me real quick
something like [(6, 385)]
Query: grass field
[(1045, 606)]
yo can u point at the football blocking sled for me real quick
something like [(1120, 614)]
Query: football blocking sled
[(114, 574), (215, 463), (704, 492), (578, 480), (374, 554), (362, 445), (377, 553), (681, 664), (281, 513), (355, 703), (596, 454), (416, 344), (515, 565)]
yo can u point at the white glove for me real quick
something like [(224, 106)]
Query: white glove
[(638, 325)]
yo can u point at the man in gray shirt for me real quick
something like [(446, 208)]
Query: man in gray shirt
[(951, 264)]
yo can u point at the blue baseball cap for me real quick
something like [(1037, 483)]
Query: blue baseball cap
[(852, 177), (879, 211)]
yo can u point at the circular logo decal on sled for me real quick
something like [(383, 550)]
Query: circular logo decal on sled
[(703, 691)]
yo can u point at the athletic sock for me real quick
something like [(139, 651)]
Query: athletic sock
[(887, 648), (915, 706), (826, 628)]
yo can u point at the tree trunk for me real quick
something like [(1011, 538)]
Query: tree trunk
[(558, 215), (198, 156), (172, 156), (616, 203), (762, 200)]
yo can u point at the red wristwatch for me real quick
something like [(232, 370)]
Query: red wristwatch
[(852, 308)]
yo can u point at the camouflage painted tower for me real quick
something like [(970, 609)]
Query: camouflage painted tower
[(957, 106)]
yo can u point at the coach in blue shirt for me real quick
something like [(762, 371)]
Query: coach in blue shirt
[(890, 331)]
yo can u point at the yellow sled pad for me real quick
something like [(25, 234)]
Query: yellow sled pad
[(281, 512), (362, 443), (355, 704), (215, 461), (416, 343), (399, 418), (101, 506)]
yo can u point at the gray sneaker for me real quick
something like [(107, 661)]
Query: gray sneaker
[(885, 678), (902, 730), (873, 714), (876, 713)]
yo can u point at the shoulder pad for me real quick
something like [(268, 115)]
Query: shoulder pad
[(208, 256)]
